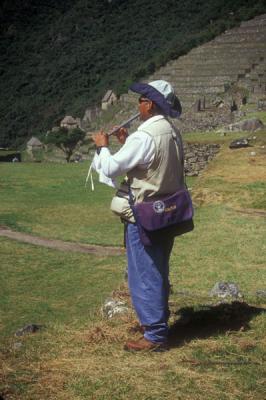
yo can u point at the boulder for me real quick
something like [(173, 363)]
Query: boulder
[(261, 293), (250, 125), (112, 307), (225, 289), (30, 328), (262, 105), (239, 143)]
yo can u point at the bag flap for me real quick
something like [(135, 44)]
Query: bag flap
[(164, 212)]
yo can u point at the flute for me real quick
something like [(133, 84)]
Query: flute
[(125, 123)]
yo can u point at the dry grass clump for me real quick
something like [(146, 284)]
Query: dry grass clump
[(105, 333), (91, 364), (247, 344), (207, 196)]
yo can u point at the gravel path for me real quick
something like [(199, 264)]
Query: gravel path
[(60, 244)]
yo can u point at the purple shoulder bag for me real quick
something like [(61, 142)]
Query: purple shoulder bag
[(163, 218)]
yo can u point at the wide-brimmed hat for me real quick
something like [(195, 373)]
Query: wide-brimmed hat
[(162, 94)]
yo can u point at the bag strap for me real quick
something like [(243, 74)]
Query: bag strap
[(130, 196), (179, 142)]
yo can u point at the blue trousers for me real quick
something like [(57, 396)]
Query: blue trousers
[(148, 271)]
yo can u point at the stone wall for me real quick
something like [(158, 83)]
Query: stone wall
[(197, 157)]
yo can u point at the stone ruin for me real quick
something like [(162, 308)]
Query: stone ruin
[(69, 122), (216, 78), (235, 58)]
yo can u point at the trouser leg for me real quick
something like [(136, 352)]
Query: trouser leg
[(148, 271)]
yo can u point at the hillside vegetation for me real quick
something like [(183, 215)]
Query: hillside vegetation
[(59, 57)]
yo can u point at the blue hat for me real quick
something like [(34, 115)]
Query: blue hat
[(162, 94)]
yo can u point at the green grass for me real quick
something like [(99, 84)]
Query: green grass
[(219, 138), (79, 354), (50, 200), (45, 286)]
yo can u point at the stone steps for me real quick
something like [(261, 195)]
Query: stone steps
[(260, 68), (207, 80), (213, 83), (217, 61), (257, 76), (257, 21), (212, 48), (235, 57), (208, 72), (238, 55), (241, 37), (190, 98), (245, 30), (201, 90), (197, 80)]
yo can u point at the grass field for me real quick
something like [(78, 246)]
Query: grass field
[(218, 351)]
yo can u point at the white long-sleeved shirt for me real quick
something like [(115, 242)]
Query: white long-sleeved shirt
[(139, 149)]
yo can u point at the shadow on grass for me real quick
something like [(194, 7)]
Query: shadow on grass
[(210, 321)]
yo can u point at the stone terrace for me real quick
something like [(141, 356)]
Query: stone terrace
[(237, 57)]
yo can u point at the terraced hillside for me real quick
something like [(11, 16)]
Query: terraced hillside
[(208, 72)]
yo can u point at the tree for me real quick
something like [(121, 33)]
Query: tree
[(66, 140)]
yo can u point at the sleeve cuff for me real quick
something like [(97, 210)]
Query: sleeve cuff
[(98, 150)]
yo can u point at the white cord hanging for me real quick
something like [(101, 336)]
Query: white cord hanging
[(89, 176)]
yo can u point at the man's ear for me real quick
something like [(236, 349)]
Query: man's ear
[(154, 108), (150, 105)]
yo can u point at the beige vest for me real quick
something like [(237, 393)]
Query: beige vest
[(165, 175)]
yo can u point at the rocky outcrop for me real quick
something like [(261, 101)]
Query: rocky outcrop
[(250, 125)]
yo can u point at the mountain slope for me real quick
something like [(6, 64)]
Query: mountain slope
[(59, 57)]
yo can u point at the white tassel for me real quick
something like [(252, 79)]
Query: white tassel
[(89, 176), (102, 178)]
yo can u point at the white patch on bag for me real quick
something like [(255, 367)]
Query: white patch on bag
[(159, 206)]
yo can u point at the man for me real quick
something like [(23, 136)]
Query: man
[(152, 159)]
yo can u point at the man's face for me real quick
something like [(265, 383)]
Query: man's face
[(145, 108)]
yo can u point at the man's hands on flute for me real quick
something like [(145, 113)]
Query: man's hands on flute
[(121, 135), (101, 139)]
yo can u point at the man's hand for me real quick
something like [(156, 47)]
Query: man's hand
[(121, 135), (101, 139)]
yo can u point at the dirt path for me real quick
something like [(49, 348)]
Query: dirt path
[(252, 211), (60, 244)]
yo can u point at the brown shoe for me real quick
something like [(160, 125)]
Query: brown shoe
[(145, 345)]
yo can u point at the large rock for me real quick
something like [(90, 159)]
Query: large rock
[(239, 143), (30, 328), (225, 289), (262, 105), (261, 293), (114, 307), (250, 125)]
